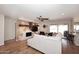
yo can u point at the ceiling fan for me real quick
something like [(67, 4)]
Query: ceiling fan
[(42, 18)]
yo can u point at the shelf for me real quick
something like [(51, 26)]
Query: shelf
[(23, 25)]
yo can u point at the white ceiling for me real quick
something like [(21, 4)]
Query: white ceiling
[(31, 11)]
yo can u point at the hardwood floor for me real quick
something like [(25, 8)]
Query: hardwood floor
[(69, 48), (21, 47), (17, 47)]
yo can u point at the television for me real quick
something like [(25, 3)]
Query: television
[(28, 34)]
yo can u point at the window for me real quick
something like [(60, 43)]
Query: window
[(76, 27), (58, 28), (62, 28), (53, 28)]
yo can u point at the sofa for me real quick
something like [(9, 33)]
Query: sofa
[(47, 45)]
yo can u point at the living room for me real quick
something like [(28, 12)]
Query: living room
[(22, 22)]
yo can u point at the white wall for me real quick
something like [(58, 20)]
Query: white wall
[(1, 30), (76, 19), (9, 28), (46, 29)]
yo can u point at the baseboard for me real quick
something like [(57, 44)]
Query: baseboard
[(1, 44)]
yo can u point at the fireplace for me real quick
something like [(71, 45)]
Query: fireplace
[(28, 34)]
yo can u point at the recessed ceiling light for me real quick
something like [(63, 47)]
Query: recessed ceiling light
[(62, 13)]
